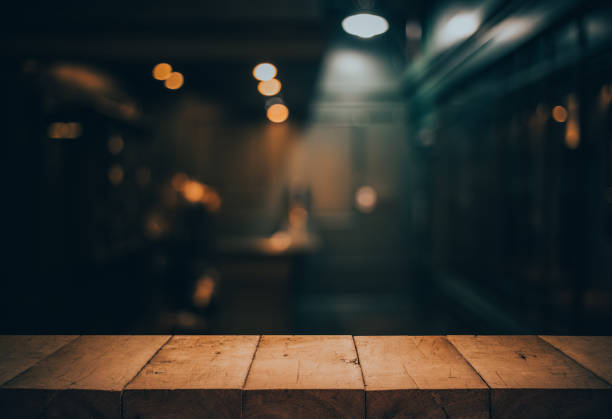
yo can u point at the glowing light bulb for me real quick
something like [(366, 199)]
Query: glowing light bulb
[(264, 71), (365, 25)]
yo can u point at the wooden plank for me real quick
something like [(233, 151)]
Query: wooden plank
[(419, 376), (192, 377), (529, 378), (82, 379), (305, 377), (20, 352), (592, 352)]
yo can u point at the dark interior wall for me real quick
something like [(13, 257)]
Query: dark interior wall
[(518, 199)]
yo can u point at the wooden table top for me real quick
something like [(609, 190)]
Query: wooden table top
[(291, 376)]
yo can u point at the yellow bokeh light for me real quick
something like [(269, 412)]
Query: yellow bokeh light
[(174, 81), (269, 87), (559, 114), (162, 71), (278, 113), (264, 71)]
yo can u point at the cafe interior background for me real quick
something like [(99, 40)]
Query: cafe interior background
[(268, 166)]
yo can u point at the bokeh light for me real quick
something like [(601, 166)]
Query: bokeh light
[(269, 87), (115, 174), (64, 130), (559, 114), (193, 191), (278, 113), (366, 199), (264, 71), (174, 81), (280, 241), (162, 71), (115, 144)]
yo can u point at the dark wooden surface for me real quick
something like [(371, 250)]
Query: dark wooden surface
[(305, 376)]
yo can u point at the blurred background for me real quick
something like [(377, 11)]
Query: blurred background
[(392, 166)]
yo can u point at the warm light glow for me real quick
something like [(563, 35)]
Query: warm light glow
[(605, 95), (459, 27), (193, 191), (572, 128), (278, 113), (298, 217), (162, 71), (178, 180), (559, 114), (572, 134), (64, 130), (213, 202), (174, 81), (365, 25), (204, 289), (366, 198), (264, 71), (280, 241), (115, 174), (115, 144), (269, 87), (154, 226)]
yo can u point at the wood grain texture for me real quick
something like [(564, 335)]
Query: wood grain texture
[(20, 352), (82, 379), (419, 376), (304, 377), (529, 378), (192, 377), (592, 352)]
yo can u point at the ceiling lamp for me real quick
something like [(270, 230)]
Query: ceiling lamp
[(365, 25)]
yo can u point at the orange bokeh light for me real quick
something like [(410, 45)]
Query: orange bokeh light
[(162, 71), (269, 87), (193, 191), (278, 113), (559, 114), (174, 81)]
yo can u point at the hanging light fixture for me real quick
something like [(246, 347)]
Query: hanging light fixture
[(365, 25)]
